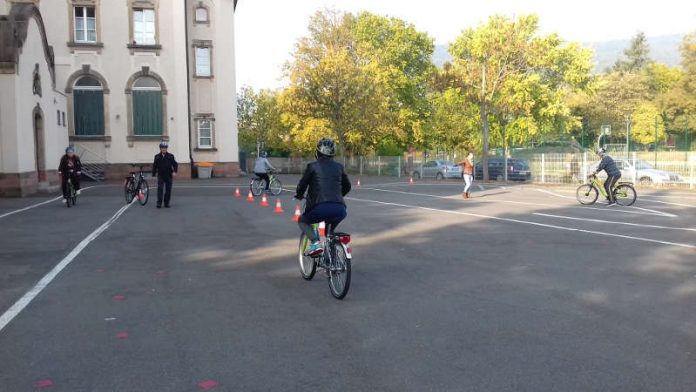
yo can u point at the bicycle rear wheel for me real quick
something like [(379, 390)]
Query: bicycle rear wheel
[(256, 186), (308, 265), (143, 192), (625, 195), (128, 190), (276, 187), (339, 271), (586, 194)]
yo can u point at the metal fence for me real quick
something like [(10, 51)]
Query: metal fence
[(646, 168)]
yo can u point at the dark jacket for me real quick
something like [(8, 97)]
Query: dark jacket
[(327, 182), (165, 165), (64, 166), (607, 164)]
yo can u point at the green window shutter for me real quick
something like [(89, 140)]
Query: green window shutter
[(147, 113), (88, 107)]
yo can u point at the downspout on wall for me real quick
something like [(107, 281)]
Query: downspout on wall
[(188, 88)]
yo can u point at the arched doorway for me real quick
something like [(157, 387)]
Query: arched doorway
[(39, 145)]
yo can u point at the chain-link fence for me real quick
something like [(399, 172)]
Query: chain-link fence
[(646, 168)]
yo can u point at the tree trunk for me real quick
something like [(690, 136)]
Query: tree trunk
[(486, 128)]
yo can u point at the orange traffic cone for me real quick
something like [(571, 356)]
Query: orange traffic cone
[(250, 198), (322, 229), (296, 217), (264, 201), (359, 184), (236, 193), (278, 207), (410, 181)]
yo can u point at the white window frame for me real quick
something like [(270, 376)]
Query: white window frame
[(148, 35), (81, 21), (199, 127), (203, 70)]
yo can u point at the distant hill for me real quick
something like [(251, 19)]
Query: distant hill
[(663, 49)]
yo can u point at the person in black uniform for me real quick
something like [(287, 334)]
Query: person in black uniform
[(165, 168), (613, 174)]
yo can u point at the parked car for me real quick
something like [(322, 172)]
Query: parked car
[(517, 169), (646, 173), (438, 169)]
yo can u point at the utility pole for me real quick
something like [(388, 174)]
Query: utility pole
[(655, 163), (628, 133)]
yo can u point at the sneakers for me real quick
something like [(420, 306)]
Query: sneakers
[(612, 204), (78, 192), (314, 250), (65, 200)]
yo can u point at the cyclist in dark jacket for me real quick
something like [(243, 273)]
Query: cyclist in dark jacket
[(613, 174), (70, 167), (326, 183), (165, 168)]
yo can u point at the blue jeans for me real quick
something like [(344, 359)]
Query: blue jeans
[(331, 213)]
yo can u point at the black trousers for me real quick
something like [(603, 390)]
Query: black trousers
[(64, 182), (265, 177), (609, 186), (162, 183)]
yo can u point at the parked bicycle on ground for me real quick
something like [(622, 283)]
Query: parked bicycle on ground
[(136, 186), (587, 194)]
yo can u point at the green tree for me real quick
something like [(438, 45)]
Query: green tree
[(333, 87), (260, 120), (637, 55), (511, 71), (455, 122), (645, 119)]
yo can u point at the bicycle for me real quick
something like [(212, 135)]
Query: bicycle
[(257, 185), (335, 260), (72, 192), (587, 194), (136, 185)]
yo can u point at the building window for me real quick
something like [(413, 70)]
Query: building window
[(58, 116), (147, 107), (201, 15), (85, 25), (205, 133), (63, 116), (203, 68), (88, 107), (144, 28)]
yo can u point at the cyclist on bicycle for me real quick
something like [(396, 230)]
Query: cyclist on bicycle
[(613, 174), (326, 183), (70, 167), (262, 168)]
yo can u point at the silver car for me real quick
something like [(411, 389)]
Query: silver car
[(438, 169), (646, 174)]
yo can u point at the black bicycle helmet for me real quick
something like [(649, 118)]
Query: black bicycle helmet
[(326, 147), (164, 145), (263, 154), (601, 151)]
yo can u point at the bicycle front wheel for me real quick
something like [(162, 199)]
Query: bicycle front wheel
[(308, 265), (276, 187), (339, 272), (256, 186), (143, 192), (625, 195), (586, 194), (128, 191)]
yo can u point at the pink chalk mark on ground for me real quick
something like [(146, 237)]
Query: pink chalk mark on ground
[(207, 384), (122, 335), (160, 273), (119, 297), (44, 383), (100, 270)]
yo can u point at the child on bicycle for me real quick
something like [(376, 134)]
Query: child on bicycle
[(70, 167), (613, 174), (262, 168), (326, 183)]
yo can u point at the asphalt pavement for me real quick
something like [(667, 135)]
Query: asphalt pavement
[(518, 289)]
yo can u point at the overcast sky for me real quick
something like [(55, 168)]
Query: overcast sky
[(266, 30)]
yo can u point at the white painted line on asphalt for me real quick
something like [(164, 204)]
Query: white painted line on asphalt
[(409, 193), (647, 198), (481, 187), (656, 212), (553, 193), (39, 204), (615, 222), (22, 303), (555, 227)]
